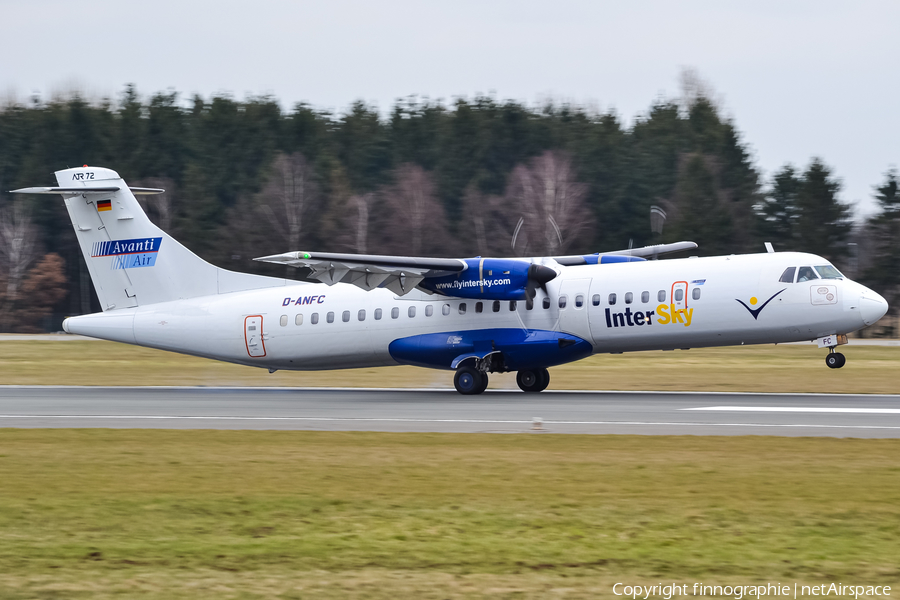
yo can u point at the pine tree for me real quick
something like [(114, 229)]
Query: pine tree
[(823, 223), (883, 230), (777, 214)]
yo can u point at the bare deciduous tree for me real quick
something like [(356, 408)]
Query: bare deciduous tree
[(17, 248), (158, 207), (550, 202), (287, 196), (488, 228), (417, 222), (361, 202)]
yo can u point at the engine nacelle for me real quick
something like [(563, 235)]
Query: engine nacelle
[(490, 279)]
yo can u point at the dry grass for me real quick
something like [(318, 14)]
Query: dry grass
[(794, 368), (249, 514)]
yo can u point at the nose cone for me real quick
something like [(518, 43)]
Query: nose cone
[(871, 306)]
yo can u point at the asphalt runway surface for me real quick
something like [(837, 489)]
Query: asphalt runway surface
[(645, 413)]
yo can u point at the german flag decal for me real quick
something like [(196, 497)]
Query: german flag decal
[(104, 205)]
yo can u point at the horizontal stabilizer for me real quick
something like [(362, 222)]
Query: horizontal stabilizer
[(66, 190), (137, 191)]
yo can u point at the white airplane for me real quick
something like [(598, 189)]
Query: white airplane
[(473, 316)]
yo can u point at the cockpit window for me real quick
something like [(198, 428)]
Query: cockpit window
[(806, 274), (788, 275), (828, 272)]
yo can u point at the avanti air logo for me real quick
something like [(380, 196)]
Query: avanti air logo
[(753, 301), (128, 254)]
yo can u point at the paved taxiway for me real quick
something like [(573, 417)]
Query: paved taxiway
[(650, 413)]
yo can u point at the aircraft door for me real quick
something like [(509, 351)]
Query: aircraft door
[(679, 295), (253, 336), (573, 307)]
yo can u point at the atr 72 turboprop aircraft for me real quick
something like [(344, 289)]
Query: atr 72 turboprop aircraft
[(474, 316)]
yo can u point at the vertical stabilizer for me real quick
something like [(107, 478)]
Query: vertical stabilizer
[(133, 262)]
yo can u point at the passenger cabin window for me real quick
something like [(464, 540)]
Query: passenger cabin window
[(496, 306), (562, 301), (579, 301), (429, 310), (330, 317), (695, 294), (629, 298), (377, 314), (298, 320), (314, 318), (395, 313), (595, 299), (345, 316), (411, 312), (661, 296), (445, 310), (361, 315), (462, 308), (788, 275), (512, 305), (645, 297), (612, 299), (806, 274), (545, 303), (828, 272), (283, 320), (479, 307), (679, 295)]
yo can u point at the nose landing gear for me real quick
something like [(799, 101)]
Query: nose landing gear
[(835, 360)]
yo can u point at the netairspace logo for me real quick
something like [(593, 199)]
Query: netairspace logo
[(458, 285), (738, 592)]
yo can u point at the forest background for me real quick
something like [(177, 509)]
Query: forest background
[(473, 177)]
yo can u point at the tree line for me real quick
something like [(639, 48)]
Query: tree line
[(472, 177)]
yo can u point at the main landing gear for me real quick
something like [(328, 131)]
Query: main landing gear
[(470, 380), (533, 380), (835, 360)]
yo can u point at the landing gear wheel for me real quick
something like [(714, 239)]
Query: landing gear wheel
[(528, 380), (545, 379), (484, 382), (533, 380), (835, 360), (469, 381)]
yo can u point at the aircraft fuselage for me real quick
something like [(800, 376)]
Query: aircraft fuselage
[(653, 305)]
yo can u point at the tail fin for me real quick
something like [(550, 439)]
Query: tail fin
[(133, 262)]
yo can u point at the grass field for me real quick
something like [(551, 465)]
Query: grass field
[(792, 368), (250, 514)]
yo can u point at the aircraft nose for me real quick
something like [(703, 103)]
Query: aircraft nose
[(871, 306)]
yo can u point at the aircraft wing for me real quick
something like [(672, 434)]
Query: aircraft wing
[(400, 274), (644, 252), (485, 278)]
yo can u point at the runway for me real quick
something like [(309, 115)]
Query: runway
[(645, 413)]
